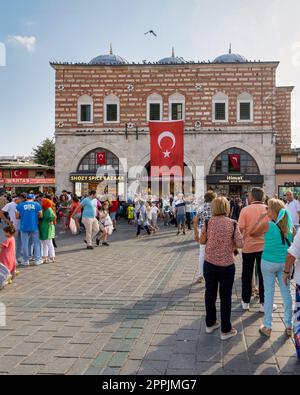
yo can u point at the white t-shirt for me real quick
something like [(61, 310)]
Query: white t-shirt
[(11, 209), (294, 250), (294, 208)]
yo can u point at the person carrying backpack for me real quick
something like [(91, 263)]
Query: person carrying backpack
[(278, 234)]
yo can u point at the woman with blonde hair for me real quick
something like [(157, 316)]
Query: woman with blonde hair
[(278, 233), (222, 237)]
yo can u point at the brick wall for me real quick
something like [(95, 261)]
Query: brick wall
[(283, 119), (256, 79)]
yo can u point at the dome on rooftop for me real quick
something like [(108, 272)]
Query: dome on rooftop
[(172, 59), (230, 58), (109, 59)]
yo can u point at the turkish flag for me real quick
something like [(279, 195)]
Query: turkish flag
[(167, 148), (19, 173), (101, 158), (235, 161)]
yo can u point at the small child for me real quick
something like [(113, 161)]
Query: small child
[(8, 250), (155, 213), (130, 214)]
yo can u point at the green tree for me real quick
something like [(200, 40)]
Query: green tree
[(44, 154)]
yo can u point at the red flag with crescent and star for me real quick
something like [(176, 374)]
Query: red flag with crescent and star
[(19, 173), (101, 158), (167, 148), (235, 161)]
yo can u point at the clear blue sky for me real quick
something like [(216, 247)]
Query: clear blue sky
[(37, 31)]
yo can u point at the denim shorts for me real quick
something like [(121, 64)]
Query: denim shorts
[(113, 216)]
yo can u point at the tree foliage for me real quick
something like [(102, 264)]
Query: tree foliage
[(44, 154)]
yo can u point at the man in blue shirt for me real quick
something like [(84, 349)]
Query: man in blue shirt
[(29, 213)]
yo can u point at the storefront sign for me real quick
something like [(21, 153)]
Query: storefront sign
[(27, 181), (242, 179), (91, 178), (292, 184)]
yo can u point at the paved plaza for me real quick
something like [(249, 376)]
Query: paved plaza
[(133, 309)]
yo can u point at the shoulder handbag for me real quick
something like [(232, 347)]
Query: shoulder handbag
[(203, 237), (236, 251), (285, 240)]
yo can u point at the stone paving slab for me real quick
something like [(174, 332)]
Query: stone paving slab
[(133, 308)]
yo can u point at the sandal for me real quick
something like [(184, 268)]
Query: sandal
[(265, 331), (289, 332)]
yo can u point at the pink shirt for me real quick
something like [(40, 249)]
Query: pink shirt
[(221, 244), (248, 218), (8, 254)]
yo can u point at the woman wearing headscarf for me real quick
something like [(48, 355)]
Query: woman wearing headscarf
[(47, 231), (278, 233)]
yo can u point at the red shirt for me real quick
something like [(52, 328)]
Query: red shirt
[(8, 254), (114, 206)]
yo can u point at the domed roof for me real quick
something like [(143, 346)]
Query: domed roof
[(172, 59), (230, 58), (109, 59)]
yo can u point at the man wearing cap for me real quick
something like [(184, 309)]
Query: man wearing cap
[(29, 213)]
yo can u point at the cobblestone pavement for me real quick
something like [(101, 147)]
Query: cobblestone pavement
[(132, 308)]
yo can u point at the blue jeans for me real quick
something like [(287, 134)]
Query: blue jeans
[(270, 272), (18, 246), (35, 237)]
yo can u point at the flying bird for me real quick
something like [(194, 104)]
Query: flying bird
[(151, 32)]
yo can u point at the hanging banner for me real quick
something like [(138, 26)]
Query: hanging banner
[(101, 158), (167, 148), (235, 162)]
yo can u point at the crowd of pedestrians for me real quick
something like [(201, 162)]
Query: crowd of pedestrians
[(262, 230), (266, 233)]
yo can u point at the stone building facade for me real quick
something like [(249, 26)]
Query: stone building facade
[(229, 106)]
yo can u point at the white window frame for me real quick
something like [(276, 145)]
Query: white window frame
[(154, 99), (111, 99), (245, 98), (219, 98), (85, 100), (177, 98)]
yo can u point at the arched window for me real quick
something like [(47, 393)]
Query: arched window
[(90, 163), (245, 108), (154, 107), (220, 107), (234, 161), (111, 109), (85, 109), (176, 107)]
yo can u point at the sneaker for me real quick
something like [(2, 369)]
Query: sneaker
[(265, 331), (24, 264), (39, 263), (245, 306), (89, 247), (229, 335), (262, 308), (105, 244), (210, 330)]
